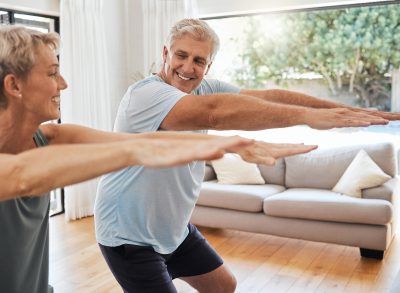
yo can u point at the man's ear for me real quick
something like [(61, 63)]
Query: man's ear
[(208, 68), (165, 54), (12, 86)]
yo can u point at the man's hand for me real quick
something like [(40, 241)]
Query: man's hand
[(267, 153), (164, 152), (385, 115), (341, 117)]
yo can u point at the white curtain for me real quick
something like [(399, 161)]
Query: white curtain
[(158, 17), (87, 99)]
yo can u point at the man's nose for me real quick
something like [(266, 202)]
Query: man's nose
[(188, 66)]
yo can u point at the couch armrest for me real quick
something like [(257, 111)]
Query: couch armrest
[(386, 191)]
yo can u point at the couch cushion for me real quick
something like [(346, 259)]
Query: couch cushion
[(325, 205), (247, 198), (274, 174), (323, 168), (232, 169)]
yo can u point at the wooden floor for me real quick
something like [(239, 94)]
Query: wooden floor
[(261, 263)]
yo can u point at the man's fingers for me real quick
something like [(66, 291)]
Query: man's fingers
[(352, 123), (370, 117), (343, 117), (386, 115)]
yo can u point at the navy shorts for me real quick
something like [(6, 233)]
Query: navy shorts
[(141, 269)]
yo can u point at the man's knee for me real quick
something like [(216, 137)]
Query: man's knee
[(231, 285), (228, 284)]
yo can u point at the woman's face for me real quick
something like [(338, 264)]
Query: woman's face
[(41, 89)]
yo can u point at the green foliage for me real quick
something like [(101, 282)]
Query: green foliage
[(353, 49)]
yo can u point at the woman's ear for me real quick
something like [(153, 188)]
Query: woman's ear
[(11, 86)]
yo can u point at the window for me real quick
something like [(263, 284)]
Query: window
[(44, 24), (345, 54), (4, 17)]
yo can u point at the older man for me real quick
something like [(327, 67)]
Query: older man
[(142, 215)]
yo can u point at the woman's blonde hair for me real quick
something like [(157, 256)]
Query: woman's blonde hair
[(18, 49), (195, 28)]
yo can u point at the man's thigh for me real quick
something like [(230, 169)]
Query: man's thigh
[(138, 269), (198, 264), (221, 280), (193, 257)]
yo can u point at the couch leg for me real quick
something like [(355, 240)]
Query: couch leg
[(372, 253)]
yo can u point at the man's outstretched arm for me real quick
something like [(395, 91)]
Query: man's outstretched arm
[(300, 99), (243, 112)]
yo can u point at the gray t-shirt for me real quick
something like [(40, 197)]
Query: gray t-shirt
[(143, 206), (24, 241)]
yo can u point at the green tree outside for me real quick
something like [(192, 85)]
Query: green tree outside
[(354, 49)]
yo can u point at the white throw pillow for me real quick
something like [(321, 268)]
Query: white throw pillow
[(231, 169), (362, 173)]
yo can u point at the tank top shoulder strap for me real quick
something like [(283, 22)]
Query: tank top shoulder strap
[(40, 139)]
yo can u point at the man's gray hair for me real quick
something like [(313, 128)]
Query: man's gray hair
[(18, 49), (195, 28)]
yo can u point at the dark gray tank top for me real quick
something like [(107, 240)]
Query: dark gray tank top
[(24, 241)]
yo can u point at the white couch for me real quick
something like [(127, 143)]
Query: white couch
[(297, 201)]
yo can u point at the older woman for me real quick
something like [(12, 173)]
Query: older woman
[(30, 95)]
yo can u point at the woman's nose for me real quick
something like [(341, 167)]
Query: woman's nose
[(62, 83)]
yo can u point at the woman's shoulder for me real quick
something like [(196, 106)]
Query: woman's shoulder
[(50, 131)]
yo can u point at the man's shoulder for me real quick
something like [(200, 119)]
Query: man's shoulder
[(211, 85), (153, 79), (152, 83)]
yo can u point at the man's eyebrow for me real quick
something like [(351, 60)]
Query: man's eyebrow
[(180, 51), (54, 65), (195, 57)]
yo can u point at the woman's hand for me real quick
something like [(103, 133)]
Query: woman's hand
[(267, 153)]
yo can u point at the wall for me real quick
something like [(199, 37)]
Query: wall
[(212, 8), (47, 7)]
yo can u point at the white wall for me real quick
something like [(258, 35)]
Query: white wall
[(48, 7), (210, 8)]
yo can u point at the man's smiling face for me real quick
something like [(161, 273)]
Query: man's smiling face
[(186, 64)]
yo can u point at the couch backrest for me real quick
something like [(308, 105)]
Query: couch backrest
[(274, 174), (271, 174), (323, 168)]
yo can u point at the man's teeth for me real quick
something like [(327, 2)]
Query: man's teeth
[(55, 99), (182, 77)]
